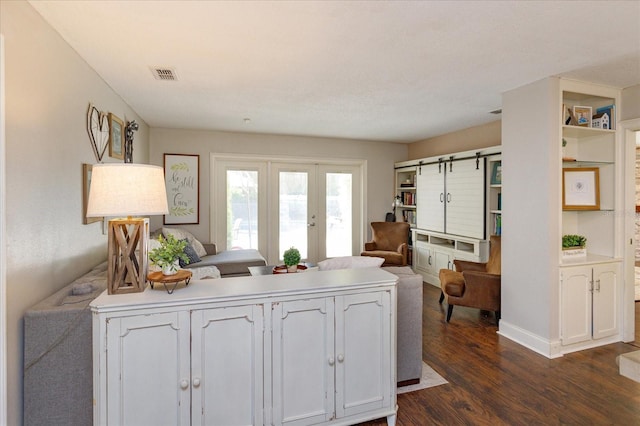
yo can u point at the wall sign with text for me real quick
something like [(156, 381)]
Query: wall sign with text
[(182, 178)]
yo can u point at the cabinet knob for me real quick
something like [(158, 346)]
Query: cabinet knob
[(597, 285), (331, 360), (340, 358), (196, 383), (184, 384)]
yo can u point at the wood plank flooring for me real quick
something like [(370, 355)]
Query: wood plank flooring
[(494, 381)]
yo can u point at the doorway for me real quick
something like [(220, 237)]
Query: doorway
[(274, 204)]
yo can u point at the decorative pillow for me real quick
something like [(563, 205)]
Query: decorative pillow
[(181, 234), (350, 262), (191, 254)]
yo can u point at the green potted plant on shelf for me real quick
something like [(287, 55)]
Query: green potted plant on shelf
[(169, 254), (573, 246), (291, 259)]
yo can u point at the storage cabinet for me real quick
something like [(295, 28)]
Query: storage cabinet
[(154, 361), (590, 297), (452, 196), (313, 348), (435, 251), (345, 338)]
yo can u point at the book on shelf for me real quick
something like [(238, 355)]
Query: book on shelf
[(497, 224)]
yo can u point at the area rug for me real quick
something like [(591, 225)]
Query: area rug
[(429, 379)]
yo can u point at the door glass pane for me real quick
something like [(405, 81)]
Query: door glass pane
[(293, 212), (338, 214), (242, 209)]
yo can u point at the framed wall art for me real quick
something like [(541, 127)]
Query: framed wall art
[(582, 115), (86, 185), (116, 139), (581, 188), (182, 178)]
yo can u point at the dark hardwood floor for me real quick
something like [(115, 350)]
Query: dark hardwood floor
[(495, 381)]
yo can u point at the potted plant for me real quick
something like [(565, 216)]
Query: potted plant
[(574, 246), (291, 259), (168, 255)]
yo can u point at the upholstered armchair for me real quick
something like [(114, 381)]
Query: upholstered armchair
[(476, 285), (390, 240)]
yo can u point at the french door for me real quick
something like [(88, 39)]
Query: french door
[(316, 208), (274, 205)]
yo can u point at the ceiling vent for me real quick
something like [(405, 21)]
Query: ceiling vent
[(496, 112), (167, 74)]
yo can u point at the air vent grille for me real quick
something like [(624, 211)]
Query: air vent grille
[(163, 73)]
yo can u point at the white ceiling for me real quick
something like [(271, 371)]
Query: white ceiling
[(396, 71)]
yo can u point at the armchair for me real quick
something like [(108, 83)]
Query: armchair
[(476, 285), (390, 240)]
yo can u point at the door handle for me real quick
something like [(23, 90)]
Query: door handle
[(332, 361), (442, 197), (196, 383), (598, 285), (184, 384), (448, 197)]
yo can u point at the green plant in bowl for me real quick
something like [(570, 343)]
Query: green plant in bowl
[(572, 241), (166, 256)]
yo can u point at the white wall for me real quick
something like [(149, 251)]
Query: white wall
[(630, 103), (380, 157), (48, 90), (530, 172)]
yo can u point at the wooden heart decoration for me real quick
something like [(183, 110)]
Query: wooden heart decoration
[(98, 128)]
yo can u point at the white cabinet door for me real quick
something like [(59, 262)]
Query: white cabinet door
[(227, 366), (576, 304), (606, 285), (423, 258), (148, 366), (431, 197), (443, 259), (303, 360), (465, 190), (363, 353)]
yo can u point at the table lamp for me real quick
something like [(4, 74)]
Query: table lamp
[(118, 189)]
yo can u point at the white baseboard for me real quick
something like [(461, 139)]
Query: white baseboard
[(545, 347)]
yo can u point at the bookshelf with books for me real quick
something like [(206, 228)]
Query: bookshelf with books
[(406, 190), (494, 195)]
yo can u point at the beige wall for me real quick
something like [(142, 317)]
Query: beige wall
[(462, 140), (630, 103), (380, 158), (48, 90)]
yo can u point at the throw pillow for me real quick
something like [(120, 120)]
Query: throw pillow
[(191, 254), (181, 234), (350, 262)]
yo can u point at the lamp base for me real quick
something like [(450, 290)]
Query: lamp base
[(127, 266)]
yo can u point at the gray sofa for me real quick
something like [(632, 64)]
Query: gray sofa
[(230, 263), (409, 324), (58, 374)]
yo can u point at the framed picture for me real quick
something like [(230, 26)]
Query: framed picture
[(496, 173), (86, 185), (582, 115), (116, 139), (580, 188), (182, 178)]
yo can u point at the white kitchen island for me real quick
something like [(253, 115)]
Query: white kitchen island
[(289, 349)]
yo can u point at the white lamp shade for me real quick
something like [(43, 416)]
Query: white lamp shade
[(126, 189)]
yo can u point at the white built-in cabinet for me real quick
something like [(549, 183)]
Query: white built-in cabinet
[(457, 206), (435, 251), (452, 196), (590, 295), (298, 349), (550, 190)]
